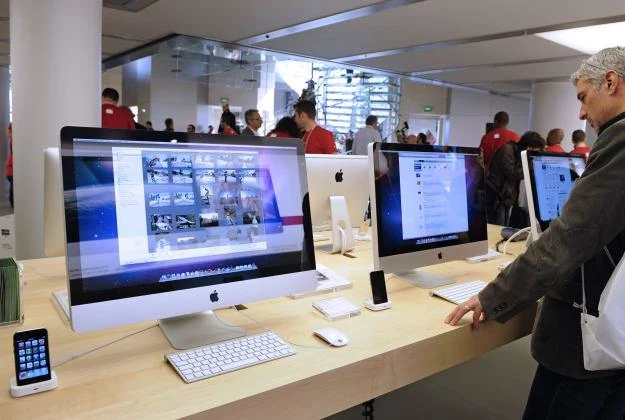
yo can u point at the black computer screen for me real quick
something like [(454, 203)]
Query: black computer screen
[(427, 197), (147, 216)]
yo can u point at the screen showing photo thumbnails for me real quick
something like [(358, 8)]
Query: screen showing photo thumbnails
[(165, 213), (428, 200)]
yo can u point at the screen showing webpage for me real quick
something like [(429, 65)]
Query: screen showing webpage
[(554, 178), (433, 194), (148, 212), (428, 198)]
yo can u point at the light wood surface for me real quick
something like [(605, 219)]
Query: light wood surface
[(387, 350)]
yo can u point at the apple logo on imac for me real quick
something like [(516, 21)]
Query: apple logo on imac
[(440, 255), (338, 177), (214, 296)]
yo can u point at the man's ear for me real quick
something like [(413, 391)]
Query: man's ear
[(612, 81)]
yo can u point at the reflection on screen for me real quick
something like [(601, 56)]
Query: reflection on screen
[(428, 199), (191, 214), (554, 178), (433, 195)]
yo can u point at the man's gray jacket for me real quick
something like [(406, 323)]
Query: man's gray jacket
[(592, 218)]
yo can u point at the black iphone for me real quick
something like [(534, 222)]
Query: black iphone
[(32, 356), (378, 287)]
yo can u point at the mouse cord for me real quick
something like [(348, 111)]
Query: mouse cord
[(527, 229), (101, 346), (281, 336)]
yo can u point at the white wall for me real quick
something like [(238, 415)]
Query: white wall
[(470, 111), (113, 79), (415, 96), (555, 105), (171, 97), (230, 85)]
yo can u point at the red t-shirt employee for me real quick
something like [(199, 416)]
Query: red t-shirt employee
[(497, 137), (112, 115), (316, 139)]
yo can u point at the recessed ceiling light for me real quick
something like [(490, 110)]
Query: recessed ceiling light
[(589, 39)]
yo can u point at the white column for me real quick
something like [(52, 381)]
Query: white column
[(56, 54), (555, 105), (4, 122), (266, 96)]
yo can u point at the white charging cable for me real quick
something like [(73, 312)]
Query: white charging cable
[(520, 231)]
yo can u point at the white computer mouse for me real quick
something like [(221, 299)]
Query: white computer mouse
[(333, 336)]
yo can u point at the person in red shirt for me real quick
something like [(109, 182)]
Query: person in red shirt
[(8, 170), (286, 128), (112, 115), (554, 138), (579, 143), (228, 124), (497, 137), (316, 139)]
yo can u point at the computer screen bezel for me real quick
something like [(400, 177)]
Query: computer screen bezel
[(537, 225), (68, 134), (426, 254)]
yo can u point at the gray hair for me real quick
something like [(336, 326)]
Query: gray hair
[(596, 66)]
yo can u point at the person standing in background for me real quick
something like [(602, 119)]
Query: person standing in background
[(8, 170), (228, 124), (112, 115), (148, 126), (367, 134), (253, 121), (579, 143), (210, 129), (496, 138), (190, 128), (169, 124), (554, 138), (286, 128), (316, 139)]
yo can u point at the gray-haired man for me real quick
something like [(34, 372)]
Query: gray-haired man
[(592, 225)]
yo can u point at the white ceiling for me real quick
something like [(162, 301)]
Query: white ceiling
[(507, 63)]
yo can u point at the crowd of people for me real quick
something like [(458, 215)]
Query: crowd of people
[(501, 149)]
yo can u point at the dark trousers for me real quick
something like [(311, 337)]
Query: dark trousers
[(10, 179), (554, 396)]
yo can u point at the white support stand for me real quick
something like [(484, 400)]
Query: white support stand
[(23, 390), (342, 234), (377, 307)]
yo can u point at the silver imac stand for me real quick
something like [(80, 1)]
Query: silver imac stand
[(423, 279), (199, 329), (342, 234)]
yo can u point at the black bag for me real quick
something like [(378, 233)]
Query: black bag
[(518, 218)]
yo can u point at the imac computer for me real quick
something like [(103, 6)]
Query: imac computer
[(339, 195), (427, 206), (169, 226), (549, 178)]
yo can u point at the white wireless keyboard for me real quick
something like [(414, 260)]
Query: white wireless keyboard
[(461, 292), (204, 362)]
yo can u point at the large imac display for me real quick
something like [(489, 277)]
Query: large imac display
[(549, 178), (427, 208), (337, 175), (164, 224)]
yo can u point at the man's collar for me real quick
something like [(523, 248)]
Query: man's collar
[(614, 120), (253, 131)]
